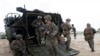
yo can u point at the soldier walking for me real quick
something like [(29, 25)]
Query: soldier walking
[(66, 27), (51, 39), (89, 36), (74, 30)]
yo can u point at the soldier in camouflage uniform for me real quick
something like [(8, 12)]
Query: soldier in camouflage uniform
[(51, 39), (74, 30), (37, 24), (66, 27), (18, 46), (89, 36)]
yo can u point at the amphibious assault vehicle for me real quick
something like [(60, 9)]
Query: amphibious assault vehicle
[(21, 24)]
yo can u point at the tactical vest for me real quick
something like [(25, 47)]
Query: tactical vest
[(88, 33), (66, 28)]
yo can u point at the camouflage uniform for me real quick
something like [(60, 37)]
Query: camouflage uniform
[(51, 39), (37, 24), (18, 46), (74, 30), (89, 36), (66, 27)]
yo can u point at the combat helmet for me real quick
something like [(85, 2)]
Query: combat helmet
[(88, 24), (68, 19), (39, 17), (48, 17)]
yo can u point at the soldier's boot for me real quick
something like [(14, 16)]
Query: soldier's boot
[(91, 44), (68, 45), (92, 48)]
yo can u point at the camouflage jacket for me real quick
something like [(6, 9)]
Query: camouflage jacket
[(51, 29), (66, 28), (37, 23), (17, 45), (89, 33)]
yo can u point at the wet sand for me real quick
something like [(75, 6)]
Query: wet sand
[(78, 44)]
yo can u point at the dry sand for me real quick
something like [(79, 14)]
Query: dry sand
[(81, 45), (78, 44), (4, 48)]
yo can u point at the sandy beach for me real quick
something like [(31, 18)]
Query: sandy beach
[(78, 44), (81, 45)]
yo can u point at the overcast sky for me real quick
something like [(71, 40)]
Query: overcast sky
[(80, 12)]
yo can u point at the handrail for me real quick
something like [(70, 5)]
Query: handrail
[(12, 14)]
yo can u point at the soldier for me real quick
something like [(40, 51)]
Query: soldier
[(38, 23), (89, 36), (74, 30), (51, 39), (18, 46), (66, 27)]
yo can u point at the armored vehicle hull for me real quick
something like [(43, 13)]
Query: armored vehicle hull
[(22, 25)]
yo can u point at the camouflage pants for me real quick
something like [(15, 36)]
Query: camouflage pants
[(52, 46), (20, 52), (68, 41), (75, 35), (91, 44), (37, 36)]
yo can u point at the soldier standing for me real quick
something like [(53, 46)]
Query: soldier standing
[(37, 24), (66, 27), (74, 30), (89, 36), (18, 46), (51, 39)]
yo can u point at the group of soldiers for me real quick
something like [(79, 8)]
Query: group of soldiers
[(49, 31), (89, 33)]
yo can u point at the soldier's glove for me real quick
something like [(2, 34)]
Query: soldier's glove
[(48, 32)]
